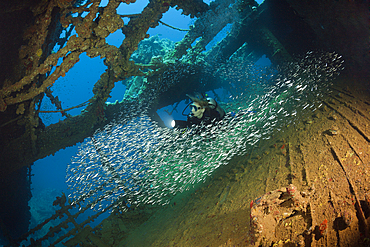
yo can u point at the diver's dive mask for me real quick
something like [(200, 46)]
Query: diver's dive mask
[(196, 110)]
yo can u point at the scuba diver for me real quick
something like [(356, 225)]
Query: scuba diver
[(203, 111)]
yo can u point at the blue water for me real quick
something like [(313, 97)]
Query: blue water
[(49, 174), (50, 171), (76, 88)]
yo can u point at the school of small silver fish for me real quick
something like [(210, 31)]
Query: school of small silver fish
[(133, 161)]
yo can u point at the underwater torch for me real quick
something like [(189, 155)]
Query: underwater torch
[(180, 124)]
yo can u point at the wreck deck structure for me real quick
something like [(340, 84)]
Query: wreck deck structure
[(332, 164)]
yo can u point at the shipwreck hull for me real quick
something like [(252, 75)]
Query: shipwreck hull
[(326, 156)]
